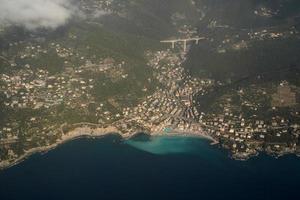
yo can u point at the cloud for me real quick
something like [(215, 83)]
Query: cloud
[(34, 14)]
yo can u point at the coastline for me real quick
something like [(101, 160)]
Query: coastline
[(88, 132)]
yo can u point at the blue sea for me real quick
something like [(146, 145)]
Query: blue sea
[(153, 168)]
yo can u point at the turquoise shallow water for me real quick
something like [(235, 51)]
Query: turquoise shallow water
[(180, 145), (169, 145), (156, 168)]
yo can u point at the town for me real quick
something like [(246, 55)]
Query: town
[(87, 91), (171, 109)]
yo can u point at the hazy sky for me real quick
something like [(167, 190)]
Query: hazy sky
[(33, 14)]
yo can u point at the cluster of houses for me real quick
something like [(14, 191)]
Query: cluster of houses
[(98, 7), (246, 136), (171, 107), (34, 88)]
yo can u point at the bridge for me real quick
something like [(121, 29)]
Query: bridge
[(196, 39), (5, 59)]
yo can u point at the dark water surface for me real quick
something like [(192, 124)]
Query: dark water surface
[(162, 168)]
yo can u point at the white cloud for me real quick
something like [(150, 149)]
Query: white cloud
[(33, 14)]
